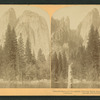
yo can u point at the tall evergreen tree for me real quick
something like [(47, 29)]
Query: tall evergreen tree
[(33, 58), (10, 49), (13, 47), (13, 54), (7, 44), (65, 66), (96, 49), (93, 53), (21, 55), (1, 55), (28, 51), (90, 45), (60, 65), (82, 62), (54, 66), (1, 62), (6, 52), (41, 56)]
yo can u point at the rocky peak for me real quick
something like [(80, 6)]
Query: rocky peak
[(92, 18), (9, 17), (29, 13), (34, 26), (94, 12)]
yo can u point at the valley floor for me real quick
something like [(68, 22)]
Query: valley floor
[(76, 85), (25, 84)]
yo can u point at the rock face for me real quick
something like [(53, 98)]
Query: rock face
[(29, 24), (9, 17), (74, 38), (61, 33), (92, 18), (34, 26), (63, 38)]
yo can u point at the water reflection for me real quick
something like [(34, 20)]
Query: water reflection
[(59, 85)]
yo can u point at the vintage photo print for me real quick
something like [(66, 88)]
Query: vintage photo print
[(24, 47), (75, 47)]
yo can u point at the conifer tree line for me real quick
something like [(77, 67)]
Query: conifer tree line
[(85, 59), (59, 66), (18, 62), (86, 64)]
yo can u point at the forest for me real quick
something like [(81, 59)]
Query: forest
[(18, 63), (85, 59)]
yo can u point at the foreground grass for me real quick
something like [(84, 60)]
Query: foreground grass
[(86, 85), (77, 85), (25, 84)]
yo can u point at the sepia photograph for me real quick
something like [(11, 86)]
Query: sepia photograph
[(24, 47), (75, 47), (43, 49)]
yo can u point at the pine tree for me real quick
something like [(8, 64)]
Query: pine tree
[(1, 62), (54, 66), (93, 53), (1, 56), (33, 58), (28, 52), (13, 47), (60, 65), (10, 50), (41, 56), (96, 49), (21, 55), (7, 53), (65, 66), (82, 62), (96, 54), (90, 45), (13, 54), (7, 44)]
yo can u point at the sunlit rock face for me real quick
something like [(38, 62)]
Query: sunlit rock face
[(64, 38), (31, 25), (9, 17), (92, 18)]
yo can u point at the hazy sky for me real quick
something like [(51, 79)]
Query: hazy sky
[(19, 9), (76, 13)]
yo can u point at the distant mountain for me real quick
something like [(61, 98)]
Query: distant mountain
[(60, 34), (63, 35), (63, 38), (92, 18), (34, 26), (9, 17), (29, 24)]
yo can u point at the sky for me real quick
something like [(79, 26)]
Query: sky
[(75, 13), (19, 9)]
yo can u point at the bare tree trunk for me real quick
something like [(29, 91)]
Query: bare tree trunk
[(69, 76)]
